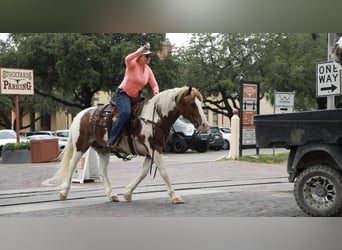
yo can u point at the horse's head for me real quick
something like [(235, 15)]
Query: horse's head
[(189, 105), (337, 51)]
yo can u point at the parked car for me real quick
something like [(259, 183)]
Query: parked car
[(215, 138), (42, 132), (7, 136), (226, 134), (63, 133), (183, 136), (42, 136)]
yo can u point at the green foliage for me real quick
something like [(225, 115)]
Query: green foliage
[(282, 62), (69, 68), (290, 65), (16, 146)]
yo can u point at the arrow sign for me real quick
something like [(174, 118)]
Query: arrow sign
[(328, 79), (332, 88)]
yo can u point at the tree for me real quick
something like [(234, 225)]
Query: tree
[(69, 68), (282, 62), (217, 62), (291, 66)]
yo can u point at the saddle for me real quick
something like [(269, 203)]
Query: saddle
[(104, 116)]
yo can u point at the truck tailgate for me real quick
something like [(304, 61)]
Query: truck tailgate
[(298, 128)]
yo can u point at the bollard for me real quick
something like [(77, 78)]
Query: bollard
[(234, 140)]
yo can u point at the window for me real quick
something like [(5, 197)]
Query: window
[(215, 119)]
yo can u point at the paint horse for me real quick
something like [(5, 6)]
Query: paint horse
[(146, 136)]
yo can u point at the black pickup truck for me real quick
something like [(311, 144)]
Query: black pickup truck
[(315, 160)]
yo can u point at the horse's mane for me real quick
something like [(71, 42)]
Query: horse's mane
[(175, 95)]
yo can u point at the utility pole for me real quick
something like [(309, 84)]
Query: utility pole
[(332, 38)]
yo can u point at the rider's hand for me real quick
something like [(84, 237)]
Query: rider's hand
[(147, 46), (144, 48), (141, 49)]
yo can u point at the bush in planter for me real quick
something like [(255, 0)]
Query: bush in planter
[(16, 146), (16, 153)]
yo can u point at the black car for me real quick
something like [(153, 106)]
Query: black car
[(215, 138), (179, 143)]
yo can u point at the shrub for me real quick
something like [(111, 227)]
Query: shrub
[(16, 146)]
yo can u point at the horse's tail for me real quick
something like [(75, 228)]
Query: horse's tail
[(65, 160)]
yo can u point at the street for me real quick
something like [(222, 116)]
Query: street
[(208, 185)]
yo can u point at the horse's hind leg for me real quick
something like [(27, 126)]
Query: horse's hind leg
[(104, 160), (67, 180), (130, 188)]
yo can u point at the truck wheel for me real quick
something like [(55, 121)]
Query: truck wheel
[(318, 191), (167, 148), (179, 145), (202, 147)]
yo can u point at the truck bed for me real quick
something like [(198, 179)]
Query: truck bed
[(298, 128)]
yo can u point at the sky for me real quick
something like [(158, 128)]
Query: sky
[(177, 39), (3, 36)]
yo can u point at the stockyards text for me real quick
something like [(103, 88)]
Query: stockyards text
[(16, 81)]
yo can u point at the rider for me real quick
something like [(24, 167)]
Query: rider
[(137, 75)]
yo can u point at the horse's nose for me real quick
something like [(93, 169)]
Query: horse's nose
[(203, 127)]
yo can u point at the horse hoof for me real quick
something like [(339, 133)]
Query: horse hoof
[(62, 197), (177, 200), (128, 197), (114, 198)]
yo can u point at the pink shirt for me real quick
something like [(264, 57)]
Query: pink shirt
[(136, 78)]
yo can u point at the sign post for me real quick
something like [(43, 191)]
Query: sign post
[(16, 82), (249, 107)]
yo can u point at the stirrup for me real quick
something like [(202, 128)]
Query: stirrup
[(123, 156), (129, 157)]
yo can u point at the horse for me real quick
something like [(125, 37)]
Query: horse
[(337, 51), (146, 137)]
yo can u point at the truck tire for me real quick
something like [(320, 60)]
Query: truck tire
[(318, 191), (167, 148), (202, 146), (179, 145)]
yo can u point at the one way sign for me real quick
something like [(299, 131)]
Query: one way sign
[(328, 79)]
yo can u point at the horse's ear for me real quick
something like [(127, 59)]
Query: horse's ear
[(189, 91)]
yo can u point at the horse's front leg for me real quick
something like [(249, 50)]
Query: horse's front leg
[(144, 171), (175, 199), (103, 162)]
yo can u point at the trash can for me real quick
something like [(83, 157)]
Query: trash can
[(44, 150)]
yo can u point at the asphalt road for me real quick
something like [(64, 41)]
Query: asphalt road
[(208, 185)]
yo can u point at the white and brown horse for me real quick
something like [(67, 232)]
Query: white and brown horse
[(149, 136)]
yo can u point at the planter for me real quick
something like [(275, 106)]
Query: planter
[(16, 156), (44, 150)]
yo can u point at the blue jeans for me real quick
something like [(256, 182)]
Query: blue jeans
[(123, 102)]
